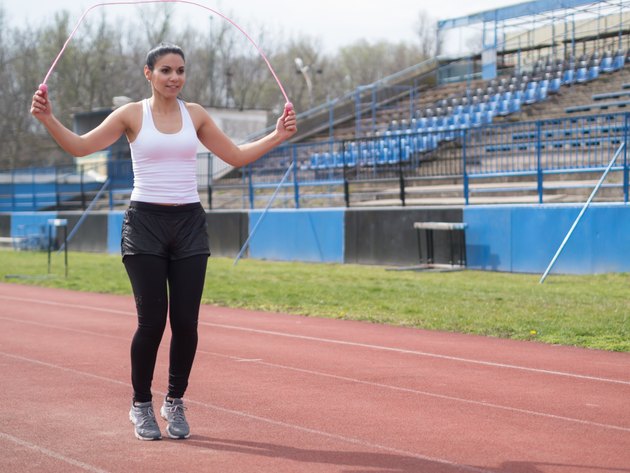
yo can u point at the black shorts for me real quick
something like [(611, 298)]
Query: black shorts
[(169, 231)]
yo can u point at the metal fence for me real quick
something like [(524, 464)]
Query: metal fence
[(544, 158), (540, 157)]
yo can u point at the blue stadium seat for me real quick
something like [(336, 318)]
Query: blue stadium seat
[(326, 161), (351, 155), (514, 105), (541, 93), (555, 83), (593, 71), (581, 74), (606, 64), (476, 119), (504, 108), (488, 116), (464, 121), (530, 95), (619, 60), (568, 77)]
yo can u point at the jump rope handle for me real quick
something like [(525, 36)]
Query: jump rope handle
[(43, 88), (288, 106)]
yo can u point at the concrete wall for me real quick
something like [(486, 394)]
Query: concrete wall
[(524, 239), (499, 238), (314, 235), (387, 236)]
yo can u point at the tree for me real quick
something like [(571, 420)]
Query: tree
[(105, 59), (426, 30)]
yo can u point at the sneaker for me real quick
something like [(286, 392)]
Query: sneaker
[(173, 413), (142, 416)]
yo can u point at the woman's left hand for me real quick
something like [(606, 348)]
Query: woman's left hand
[(286, 126)]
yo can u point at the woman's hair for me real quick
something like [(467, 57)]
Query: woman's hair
[(161, 50)]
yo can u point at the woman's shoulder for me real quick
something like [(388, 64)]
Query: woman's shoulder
[(194, 107), (129, 109), (198, 114), (129, 116)]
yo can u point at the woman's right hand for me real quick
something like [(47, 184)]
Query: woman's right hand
[(41, 107)]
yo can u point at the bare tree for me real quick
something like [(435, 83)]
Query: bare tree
[(426, 30), (105, 60)]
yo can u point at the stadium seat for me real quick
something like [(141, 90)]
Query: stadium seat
[(593, 72), (619, 60), (581, 74), (504, 108), (541, 93), (555, 83), (530, 95), (607, 63)]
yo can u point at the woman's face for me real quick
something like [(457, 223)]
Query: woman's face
[(168, 75)]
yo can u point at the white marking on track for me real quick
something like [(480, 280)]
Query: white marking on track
[(434, 395), (359, 381), (321, 433), (50, 453), (342, 342)]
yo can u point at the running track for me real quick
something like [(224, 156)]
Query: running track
[(278, 393)]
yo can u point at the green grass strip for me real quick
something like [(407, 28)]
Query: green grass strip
[(588, 311)]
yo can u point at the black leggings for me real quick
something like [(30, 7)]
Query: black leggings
[(150, 275)]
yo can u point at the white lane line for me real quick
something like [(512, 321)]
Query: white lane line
[(360, 381), (429, 394), (418, 353), (50, 453), (65, 329), (259, 361), (266, 420), (344, 343)]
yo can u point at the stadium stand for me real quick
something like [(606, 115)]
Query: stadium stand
[(540, 130)]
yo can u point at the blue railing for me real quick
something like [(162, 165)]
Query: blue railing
[(533, 151), (330, 172)]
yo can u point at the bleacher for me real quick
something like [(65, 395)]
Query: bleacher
[(444, 120), (558, 115), (504, 134)]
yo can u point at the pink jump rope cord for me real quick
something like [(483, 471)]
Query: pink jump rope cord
[(44, 88)]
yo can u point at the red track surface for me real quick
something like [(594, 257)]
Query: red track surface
[(280, 393)]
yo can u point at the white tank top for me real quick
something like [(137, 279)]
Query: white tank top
[(165, 164)]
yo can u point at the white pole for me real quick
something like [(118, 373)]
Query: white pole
[(577, 220)]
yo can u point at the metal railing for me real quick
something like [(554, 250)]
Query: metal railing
[(543, 158)]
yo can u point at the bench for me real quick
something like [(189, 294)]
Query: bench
[(451, 227), (600, 106), (11, 241), (611, 95)]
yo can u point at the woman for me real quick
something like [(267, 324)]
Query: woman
[(164, 236)]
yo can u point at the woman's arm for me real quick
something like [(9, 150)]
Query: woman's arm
[(99, 138), (220, 144)]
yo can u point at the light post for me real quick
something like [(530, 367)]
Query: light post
[(304, 70)]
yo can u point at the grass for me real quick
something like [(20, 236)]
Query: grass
[(586, 311)]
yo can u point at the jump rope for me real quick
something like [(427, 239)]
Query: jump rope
[(44, 87), (288, 106)]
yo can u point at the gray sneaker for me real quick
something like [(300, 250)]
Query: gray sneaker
[(142, 416), (173, 413)]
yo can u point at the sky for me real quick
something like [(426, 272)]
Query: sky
[(334, 22)]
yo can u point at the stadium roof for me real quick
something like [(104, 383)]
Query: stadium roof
[(535, 7)]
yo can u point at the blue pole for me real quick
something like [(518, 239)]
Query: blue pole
[(539, 175), (248, 170), (296, 184), (579, 217), (626, 123), (273, 197), (464, 170)]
